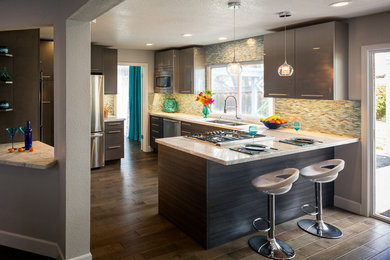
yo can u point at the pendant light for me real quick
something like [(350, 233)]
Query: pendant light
[(285, 70), (234, 68)]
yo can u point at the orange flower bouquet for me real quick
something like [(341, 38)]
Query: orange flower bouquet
[(206, 99)]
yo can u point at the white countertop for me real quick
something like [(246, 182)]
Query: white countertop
[(41, 158), (225, 156), (113, 119)]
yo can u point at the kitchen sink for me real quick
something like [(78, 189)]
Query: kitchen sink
[(223, 122)]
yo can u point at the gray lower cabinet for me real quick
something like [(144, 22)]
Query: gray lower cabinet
[(156, 130), (192, 128), (319, 55), (114, 140)]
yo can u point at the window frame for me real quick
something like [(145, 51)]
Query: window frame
[(246, 117)]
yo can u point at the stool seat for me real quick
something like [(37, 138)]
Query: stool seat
[(323, 172), (277, 182)]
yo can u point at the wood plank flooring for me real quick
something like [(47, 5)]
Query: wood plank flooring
[(125, 223)]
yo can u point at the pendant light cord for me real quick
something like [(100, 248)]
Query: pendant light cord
[(234, 33), (285, 39)]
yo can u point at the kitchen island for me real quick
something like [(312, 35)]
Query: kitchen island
[(206, 190)]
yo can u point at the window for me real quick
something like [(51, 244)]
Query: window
[(249, 92)]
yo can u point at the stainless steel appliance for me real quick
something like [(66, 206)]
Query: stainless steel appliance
[(97, 121), (171, 128), (163, 81), (228, 137)]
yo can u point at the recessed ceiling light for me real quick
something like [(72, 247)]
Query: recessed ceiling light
[(340, 3), (186, 35), (316, 48), (149, 44), (222, 38)]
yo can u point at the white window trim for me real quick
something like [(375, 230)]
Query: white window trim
[(244, 117)]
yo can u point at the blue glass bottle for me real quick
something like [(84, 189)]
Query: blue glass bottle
[(28, 137)]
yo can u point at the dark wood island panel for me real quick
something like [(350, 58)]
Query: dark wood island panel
[(215, 204)]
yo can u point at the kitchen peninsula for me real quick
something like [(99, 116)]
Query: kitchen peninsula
[(206, 189)]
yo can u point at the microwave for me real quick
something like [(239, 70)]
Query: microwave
[(163, 83)]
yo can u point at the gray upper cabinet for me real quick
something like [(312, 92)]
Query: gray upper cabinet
[(110, 71), (192, 77), (320, 61), (97, 58), (275, 85)]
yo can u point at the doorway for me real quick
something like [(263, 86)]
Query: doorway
[(380, 79), (132, 103)]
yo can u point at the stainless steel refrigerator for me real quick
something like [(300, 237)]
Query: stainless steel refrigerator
[(97, 121)]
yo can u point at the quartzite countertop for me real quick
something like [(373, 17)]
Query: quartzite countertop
[(41, 158), (113, 119), (225, 156)]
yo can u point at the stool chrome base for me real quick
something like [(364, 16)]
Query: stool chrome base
[(320, 229), (273, 248)]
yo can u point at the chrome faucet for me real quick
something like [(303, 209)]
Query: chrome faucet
[(225, 107)]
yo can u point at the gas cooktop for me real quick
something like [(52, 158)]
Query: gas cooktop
[(228, 137)]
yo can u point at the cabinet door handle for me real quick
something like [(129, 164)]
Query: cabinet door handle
[(113, 124), (114, 147), (185, 91), (155, 131), (156, 125), (114, 132), (186, 124), (185, 133), (96, 135), (277, 94), (311, 95)]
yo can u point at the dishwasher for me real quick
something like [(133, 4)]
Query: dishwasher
[(171, 128)]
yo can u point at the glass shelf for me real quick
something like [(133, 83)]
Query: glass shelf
[(6, 55), (6, 109), (8, 82)]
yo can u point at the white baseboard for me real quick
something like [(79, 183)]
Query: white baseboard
[(29, 244), (82, 257), (347, 204), (37, 246)]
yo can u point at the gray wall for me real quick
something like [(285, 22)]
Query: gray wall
[(365, 30)]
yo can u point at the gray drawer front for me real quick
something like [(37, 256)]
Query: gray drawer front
[(114, 152), (114, 137), (113, 125)]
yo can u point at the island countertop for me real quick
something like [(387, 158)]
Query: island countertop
[(41, 158), (225, 156)]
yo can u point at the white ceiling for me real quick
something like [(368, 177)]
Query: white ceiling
[(135, 22)]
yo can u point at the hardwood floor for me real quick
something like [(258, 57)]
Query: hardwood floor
[(125, 223)]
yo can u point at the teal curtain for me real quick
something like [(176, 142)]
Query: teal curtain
[(135, 103)]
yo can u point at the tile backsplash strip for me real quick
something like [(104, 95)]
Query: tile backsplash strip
[(326, 116), (250, 49), (185, 103), (109, 102)]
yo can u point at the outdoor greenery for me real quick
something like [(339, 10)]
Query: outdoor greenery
[(381, 103)]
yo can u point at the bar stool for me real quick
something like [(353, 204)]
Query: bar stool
[(322, 172), (273, 183)]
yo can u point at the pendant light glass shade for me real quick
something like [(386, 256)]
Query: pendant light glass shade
[(234, 68), (285, 70)]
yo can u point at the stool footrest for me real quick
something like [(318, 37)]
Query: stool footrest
[(310, 209), (261, 224)]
